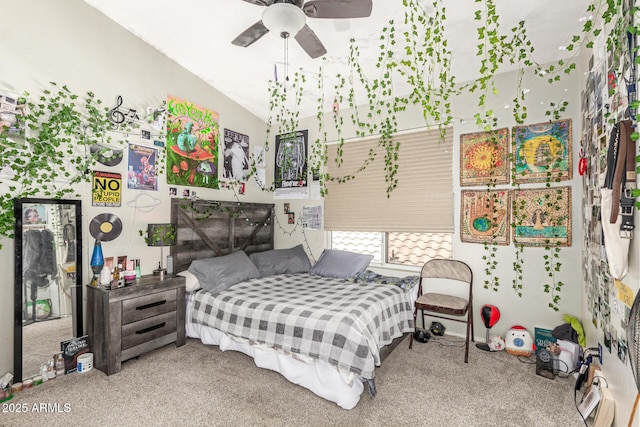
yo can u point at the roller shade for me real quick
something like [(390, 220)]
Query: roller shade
[(422, 201)]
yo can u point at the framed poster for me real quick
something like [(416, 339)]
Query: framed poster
[(484, 216), (484, 158), (542, 151), (542, 216)]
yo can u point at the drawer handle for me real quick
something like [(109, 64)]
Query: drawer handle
[(150, 328), (153, 304)]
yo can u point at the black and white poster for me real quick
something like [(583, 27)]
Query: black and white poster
[(290, 174), (236, 155)]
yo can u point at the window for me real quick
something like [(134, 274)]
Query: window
[(399, 249), (411, 226)]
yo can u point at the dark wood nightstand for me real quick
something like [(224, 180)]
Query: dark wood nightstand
[(127, 322)]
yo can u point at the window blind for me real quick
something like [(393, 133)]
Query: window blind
[(422, 201)]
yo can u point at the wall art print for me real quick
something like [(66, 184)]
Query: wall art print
[(290, 174), (542, 151), (236, 155), (542, 216), (484, 216), (13, 111), (192, 144), (484, 157), (142, 173)]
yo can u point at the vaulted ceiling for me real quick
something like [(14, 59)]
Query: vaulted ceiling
[(197, 34)]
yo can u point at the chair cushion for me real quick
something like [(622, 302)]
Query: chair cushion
[(441, 302)]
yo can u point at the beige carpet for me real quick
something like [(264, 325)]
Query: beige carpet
[(199, 385), (41, 340)]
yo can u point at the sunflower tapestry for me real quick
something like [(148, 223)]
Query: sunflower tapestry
[(192, 144), (542, 151), (483, 158)]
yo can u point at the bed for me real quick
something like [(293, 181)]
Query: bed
[(327, 334)]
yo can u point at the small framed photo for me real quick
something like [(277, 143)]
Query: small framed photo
[(34, 215), (122, 261)]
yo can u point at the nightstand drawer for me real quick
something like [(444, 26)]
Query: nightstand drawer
[(148, 329), (142, 307)]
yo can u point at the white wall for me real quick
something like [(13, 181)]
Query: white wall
[(71, 43)]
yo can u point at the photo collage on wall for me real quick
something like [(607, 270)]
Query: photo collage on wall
[(540, 152), (605, 102)]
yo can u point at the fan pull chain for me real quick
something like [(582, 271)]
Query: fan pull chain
[(286, 61)]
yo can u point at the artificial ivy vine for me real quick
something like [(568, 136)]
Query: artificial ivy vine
[(52, 155), (415, 53)]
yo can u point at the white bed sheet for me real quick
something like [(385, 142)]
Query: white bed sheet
[(318, 376)]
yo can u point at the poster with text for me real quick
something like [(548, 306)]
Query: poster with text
[(192, 144), (107, 189), (291, 165), (142, 173)]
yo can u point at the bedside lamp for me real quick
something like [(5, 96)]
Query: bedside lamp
[(161, 235)]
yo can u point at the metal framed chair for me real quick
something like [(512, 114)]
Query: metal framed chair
[(445, 306)]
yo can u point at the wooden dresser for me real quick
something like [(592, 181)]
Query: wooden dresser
[(127, 322)]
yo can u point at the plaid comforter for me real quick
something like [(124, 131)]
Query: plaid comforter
[(334, 320)]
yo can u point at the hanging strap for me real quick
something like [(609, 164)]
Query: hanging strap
[(624, 181)]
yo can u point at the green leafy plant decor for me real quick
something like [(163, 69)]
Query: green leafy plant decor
[(551, 257), (490, 258), (52, 156)]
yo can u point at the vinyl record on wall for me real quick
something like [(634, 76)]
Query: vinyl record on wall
[(105, 227), (105, 155)]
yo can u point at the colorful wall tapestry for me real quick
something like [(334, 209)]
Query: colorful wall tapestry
[(484, 216), (484, 158), (542, 216), (192, 144), (542, 151)]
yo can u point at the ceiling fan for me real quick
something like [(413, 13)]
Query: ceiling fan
[(288, 18)]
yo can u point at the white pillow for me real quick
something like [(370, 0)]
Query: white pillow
[(192, 281)]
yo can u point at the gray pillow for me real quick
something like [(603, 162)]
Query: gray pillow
[(219, 273), (340, 264), (281, 261)]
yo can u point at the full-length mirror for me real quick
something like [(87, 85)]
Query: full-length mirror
[(48, 280)]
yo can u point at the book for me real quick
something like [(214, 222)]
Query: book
[(590, 401), (543, 337), (71, 349)]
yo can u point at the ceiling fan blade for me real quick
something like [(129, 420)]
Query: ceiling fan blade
[(310, 42), (332, 9), (260, 2), (250, 35)]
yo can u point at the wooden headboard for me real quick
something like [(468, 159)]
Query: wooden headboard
[(209, 228)]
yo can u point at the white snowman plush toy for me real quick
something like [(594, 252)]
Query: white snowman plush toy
[(518, 341)]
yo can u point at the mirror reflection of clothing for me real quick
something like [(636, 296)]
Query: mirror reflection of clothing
[(39, 262)]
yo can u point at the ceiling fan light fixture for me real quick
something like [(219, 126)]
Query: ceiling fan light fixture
[(283, 19)]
